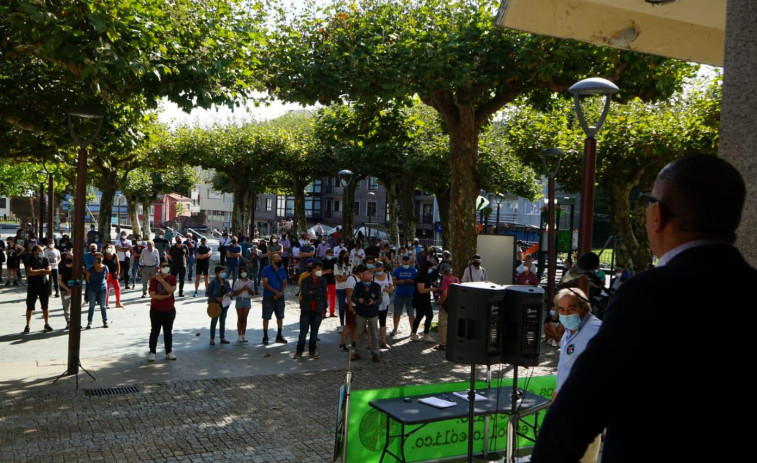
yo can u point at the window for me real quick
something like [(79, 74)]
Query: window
[(312, 205), (428, 213), (285, 206), (213, 194), (372, 183), (336, 206), (356, 207), (2, 203), (268, 204), (227, 198), (357, 184), (329, 204), (314, 188), (371, 208)]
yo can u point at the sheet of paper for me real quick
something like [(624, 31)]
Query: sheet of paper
[(226, 301), (436, 402), (464, 395)]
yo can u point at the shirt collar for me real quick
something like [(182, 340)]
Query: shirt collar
[(671, 254)]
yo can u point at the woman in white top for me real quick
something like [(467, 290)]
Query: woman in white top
[(243, 290), (342, 271), (385, 281)]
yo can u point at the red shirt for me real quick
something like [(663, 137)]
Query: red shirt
[(162, 305), (529, 279)]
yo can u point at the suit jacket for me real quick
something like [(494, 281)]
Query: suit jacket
[(311, 291), (657, 374)]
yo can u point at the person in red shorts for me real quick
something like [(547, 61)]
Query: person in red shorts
[(162, 310)]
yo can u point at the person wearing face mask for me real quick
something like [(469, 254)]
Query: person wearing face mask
[(97, 277), (275, 247), (384, 279), (123, 251), (114, 266), (404, 281), (149, 259), (328, 272), (53, 256), (274, 284), (286, 247), (366, 297), (422, 301), (223, 242), (313, 304), (475, 271), (65, 272), (233, 254), (202, 253), (162, 311), (162, 244), (342, 272), (357, 255), (307, 251), (177, 256), (243, 290), (553, 329), (88, 260), (323, 247), (448, 278), (37, 270), (219, 291)]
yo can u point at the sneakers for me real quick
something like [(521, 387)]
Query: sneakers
[(280, 339), (26, 330), (89, 325), (151, 357), (414, 337), (170, 356), (355, 356), (265, 340), (386, 346), (194, 294), (241, 339), (343, 348), (393, 333), (56, 295), (297, 355), (375, 358), (105, 324), (427, 338), (48, 328), (554, 343), (314, 355)]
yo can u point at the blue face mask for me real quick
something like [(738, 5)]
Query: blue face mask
[(379, 272), (368, 266), (552, 313), (329, 257), (406, 267), (571, 321), (367, 283), (222, 274)]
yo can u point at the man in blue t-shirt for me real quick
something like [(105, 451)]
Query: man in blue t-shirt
[(404, 286), (274, 278), (233, 253)]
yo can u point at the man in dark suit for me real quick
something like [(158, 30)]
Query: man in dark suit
[(656, 374)]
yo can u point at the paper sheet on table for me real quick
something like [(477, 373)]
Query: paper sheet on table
[(464, 395), (435, 402)]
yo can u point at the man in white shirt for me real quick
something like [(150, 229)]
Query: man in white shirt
[(528, 261), (357, 255), (474, 272), (148, 264), (53, 256), (123, 251)]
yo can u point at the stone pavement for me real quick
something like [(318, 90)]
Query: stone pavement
[(235, 402)]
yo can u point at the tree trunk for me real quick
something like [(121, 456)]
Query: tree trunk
[(131, 208), (407, 207), (299, 205), (464, 187), (240, 217), (146, 231), (392, 193), (631, 248), (348, 209), (108, 189), (443, 200)]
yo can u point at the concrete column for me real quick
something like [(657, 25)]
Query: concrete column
[(738, 121)]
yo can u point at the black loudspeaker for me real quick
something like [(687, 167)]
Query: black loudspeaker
[(522, 313), (490, 323)]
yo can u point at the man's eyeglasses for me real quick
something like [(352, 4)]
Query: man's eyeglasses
[(647, 199)]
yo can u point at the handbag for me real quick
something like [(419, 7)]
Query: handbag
[(214, 309)]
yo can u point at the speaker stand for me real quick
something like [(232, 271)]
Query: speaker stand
[(486, 455), (66, 373), (512, 425), (471, 410)]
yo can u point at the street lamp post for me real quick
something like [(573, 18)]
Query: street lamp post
[(497, 199), (74, 334), (41, 229), (584, 88), (370, 196), (119, 197), (550, 159), (482, 193), (345, 179)]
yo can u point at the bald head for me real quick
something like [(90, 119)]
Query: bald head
[(701, 196)]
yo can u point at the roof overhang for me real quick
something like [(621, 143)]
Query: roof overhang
[(692, 30)]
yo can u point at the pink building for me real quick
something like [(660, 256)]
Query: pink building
[(171, 206)]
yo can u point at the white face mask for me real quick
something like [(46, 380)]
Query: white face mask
[(165, 270), (319, 273), (243, 274)]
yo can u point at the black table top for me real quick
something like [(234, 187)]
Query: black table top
[(414, 412)]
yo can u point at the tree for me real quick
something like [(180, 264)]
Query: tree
[(451, 55), (637, 140)]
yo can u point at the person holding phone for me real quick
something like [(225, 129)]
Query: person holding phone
[(367, 297)]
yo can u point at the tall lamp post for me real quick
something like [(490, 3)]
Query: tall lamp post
[(497, 199), (370, 196), (74, 334), (585, 88), (481, 207), (345, 179), (550, 160)]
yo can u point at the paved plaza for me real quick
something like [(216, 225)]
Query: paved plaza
[(222, 403)]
